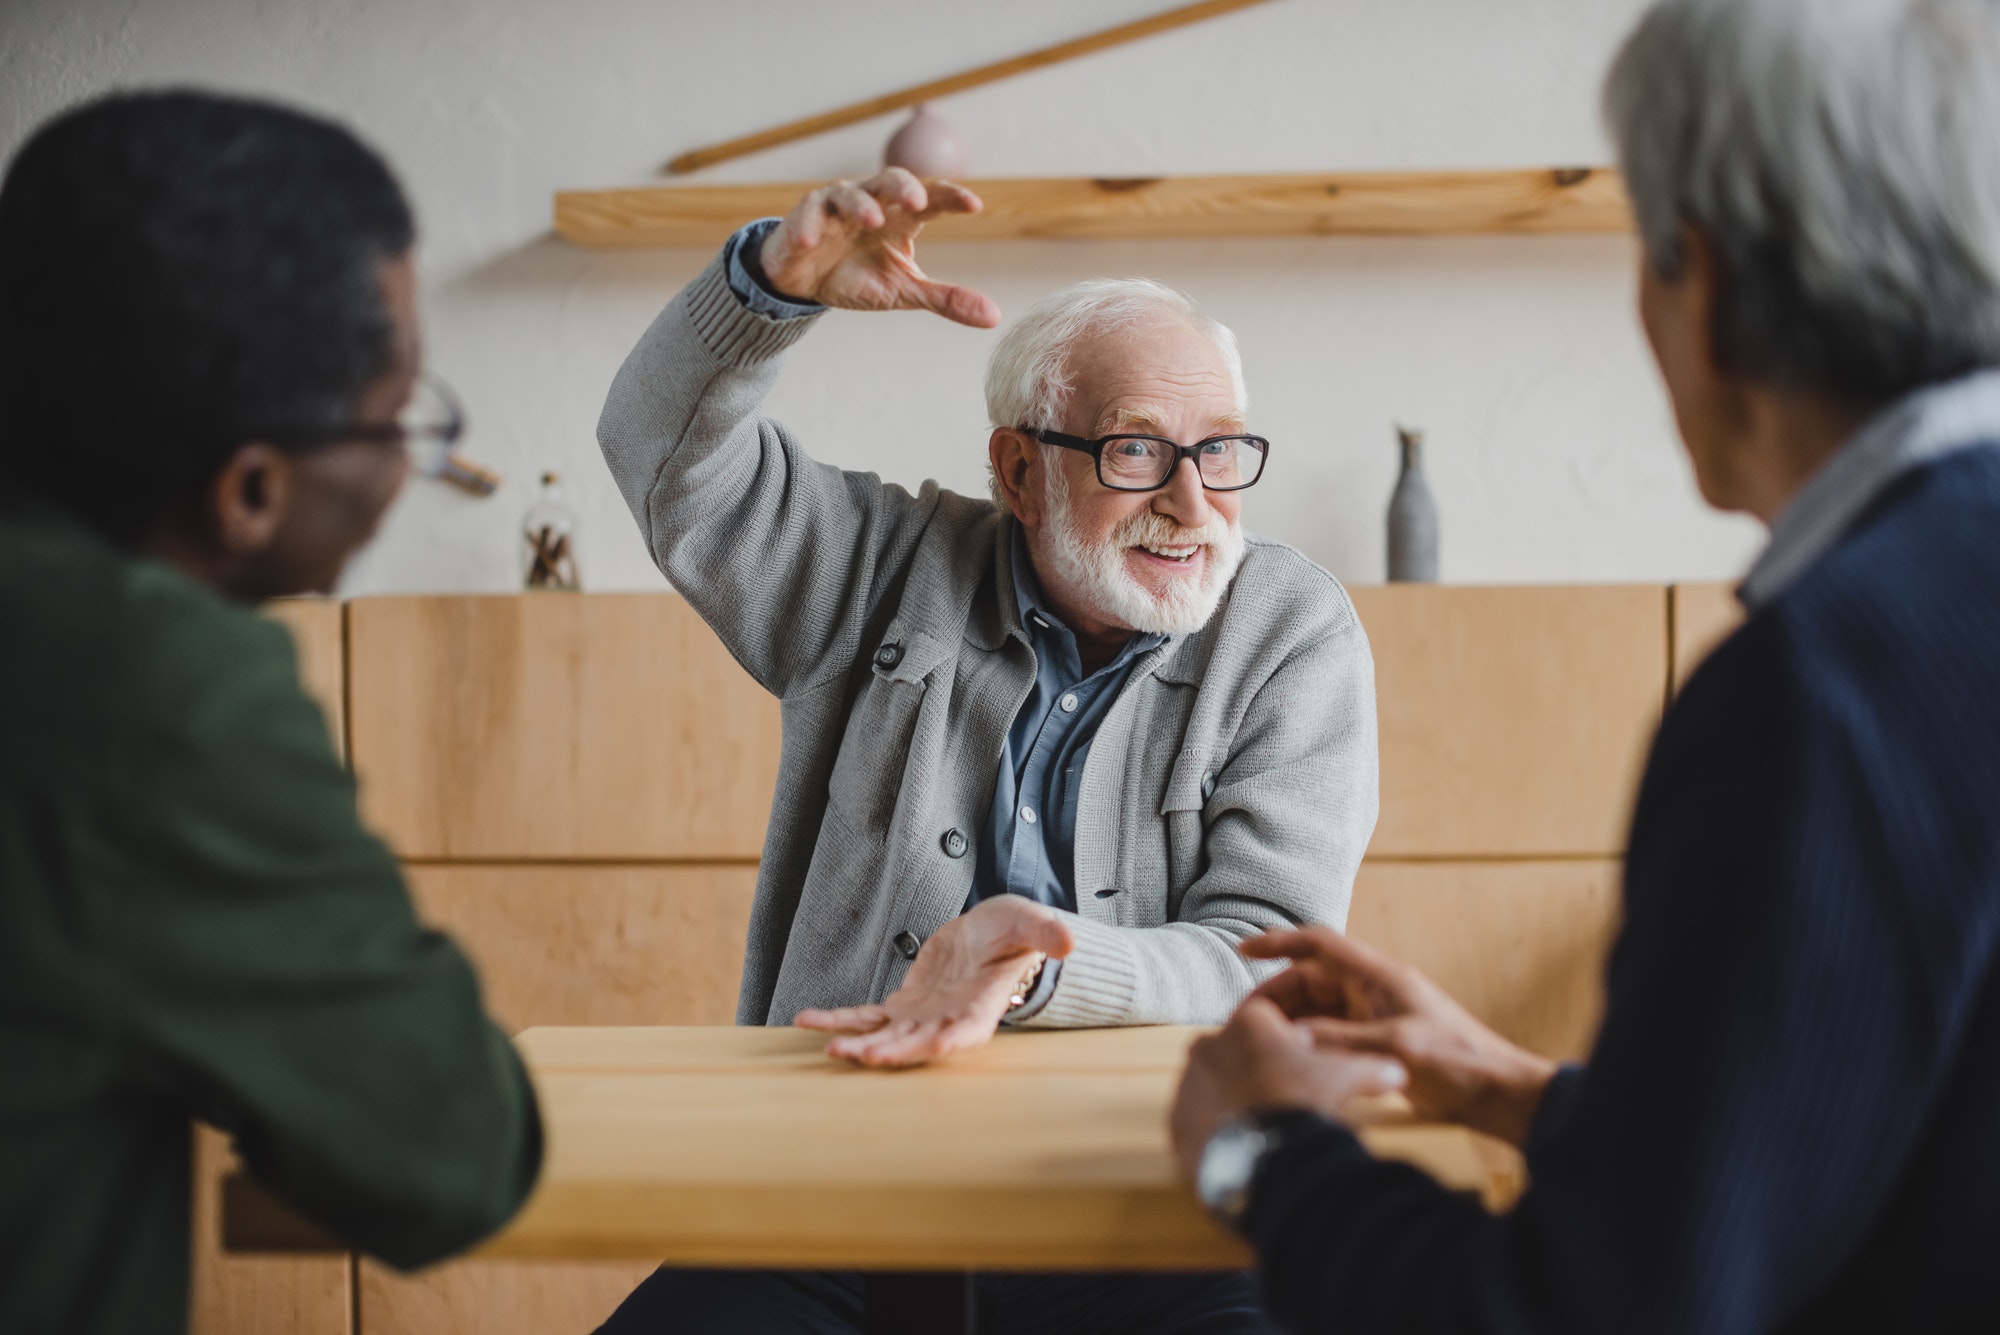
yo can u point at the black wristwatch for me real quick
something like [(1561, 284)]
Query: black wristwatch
[(1230, 1160)]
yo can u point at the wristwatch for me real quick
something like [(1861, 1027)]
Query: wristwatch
[(1229, 1163)]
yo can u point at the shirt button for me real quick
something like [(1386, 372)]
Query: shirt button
[(907, 945), (889, 655), (1028, 815), (1068, 703), (953, 843)]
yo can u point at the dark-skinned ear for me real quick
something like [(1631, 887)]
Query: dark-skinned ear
[(248, 499)]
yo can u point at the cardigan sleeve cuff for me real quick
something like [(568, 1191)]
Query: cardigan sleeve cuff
[(738, 336), (1098, 983)]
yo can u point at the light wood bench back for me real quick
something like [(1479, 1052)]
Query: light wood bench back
[(578, 786)]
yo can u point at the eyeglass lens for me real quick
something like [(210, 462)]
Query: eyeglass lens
[(431, 423), (1140, 462)]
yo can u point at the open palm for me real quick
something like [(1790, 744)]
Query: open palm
[(853, 245)]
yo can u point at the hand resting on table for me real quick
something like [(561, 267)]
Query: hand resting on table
[(956, 993)]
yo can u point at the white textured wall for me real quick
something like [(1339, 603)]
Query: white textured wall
[(1551, 448)]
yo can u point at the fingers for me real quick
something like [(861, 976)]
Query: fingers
[(846, 1020), (854, 205), (1306, 943), (1356, 1035), (1260, 1022), (910, 1042), (946, 197), (963, 305), (897, 187)]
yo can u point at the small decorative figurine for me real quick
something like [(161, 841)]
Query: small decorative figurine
[(1413, 518), (549, 532)]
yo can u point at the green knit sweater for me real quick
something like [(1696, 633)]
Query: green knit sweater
[(194, 925)]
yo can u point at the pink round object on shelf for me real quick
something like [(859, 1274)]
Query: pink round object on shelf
[(928, 146)]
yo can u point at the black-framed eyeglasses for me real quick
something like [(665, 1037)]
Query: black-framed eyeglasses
[(429, 427), (1147, 463)]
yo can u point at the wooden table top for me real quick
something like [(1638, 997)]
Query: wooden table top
[(748, 1147), (1044, 1150)]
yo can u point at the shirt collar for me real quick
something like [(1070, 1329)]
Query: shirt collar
[(1915, 430), (1041, 623)]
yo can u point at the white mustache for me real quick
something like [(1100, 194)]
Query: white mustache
[(1150, 528)]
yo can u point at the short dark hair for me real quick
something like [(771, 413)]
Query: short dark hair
[(182, 272)]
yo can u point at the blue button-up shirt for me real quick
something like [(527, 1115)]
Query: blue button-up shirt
[(1028, 846)]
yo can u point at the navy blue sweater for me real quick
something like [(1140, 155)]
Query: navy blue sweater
[(1791, 1120)]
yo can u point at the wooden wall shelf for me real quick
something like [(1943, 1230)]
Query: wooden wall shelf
[(1371, 204)]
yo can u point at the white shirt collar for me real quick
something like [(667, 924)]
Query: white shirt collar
[(1915, 430)]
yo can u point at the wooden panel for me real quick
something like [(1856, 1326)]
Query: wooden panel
[(496, 1297), (1370, 204), (1704, 615), (607, 726), (577, 945), (567, 945), (252, 1295), (1521, 944), (1515, 721), (318, 627), (255, 1295)]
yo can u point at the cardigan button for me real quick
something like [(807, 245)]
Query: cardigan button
[(954, 843), (889, 655), (907, 945)]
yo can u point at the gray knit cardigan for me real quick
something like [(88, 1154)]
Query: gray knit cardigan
[(1231, 788)]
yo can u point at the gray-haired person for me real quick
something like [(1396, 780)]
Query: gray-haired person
[(1791, 1119), (1049, 757)]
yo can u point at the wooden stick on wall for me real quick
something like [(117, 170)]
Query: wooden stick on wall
[(956, 83)]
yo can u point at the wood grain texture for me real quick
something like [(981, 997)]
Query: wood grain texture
[(567, 945), (609, 727), (1351, 204), (318, 627), (496, 1297), (855, 112), (255, 1295), (252, 1295), (588, 945), (1704, 615), (1514, 721), (1522, 945), (746, 1147)]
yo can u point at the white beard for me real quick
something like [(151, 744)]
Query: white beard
[(1095, 573)]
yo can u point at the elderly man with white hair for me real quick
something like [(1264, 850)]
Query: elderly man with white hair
[(1049, 757), (1791, 1119)]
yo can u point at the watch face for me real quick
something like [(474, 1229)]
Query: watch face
[(1227, 1164)]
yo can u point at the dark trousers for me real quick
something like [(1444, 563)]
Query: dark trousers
[(757, 1302)]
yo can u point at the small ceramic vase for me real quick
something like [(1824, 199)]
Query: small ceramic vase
[(928, 146), (1413, 518)]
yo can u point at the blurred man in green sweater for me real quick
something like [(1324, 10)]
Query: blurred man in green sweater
[(209, 393)]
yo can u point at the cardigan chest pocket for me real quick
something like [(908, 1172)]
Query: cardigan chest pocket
[(874, 754), (1189, 785)]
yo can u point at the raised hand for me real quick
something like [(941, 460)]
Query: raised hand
[(1353, 999), (956, 993), (854, 246)]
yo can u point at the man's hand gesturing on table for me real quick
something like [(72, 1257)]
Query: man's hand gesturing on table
[(1355, 1000), (956, 993), (854, 246)]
